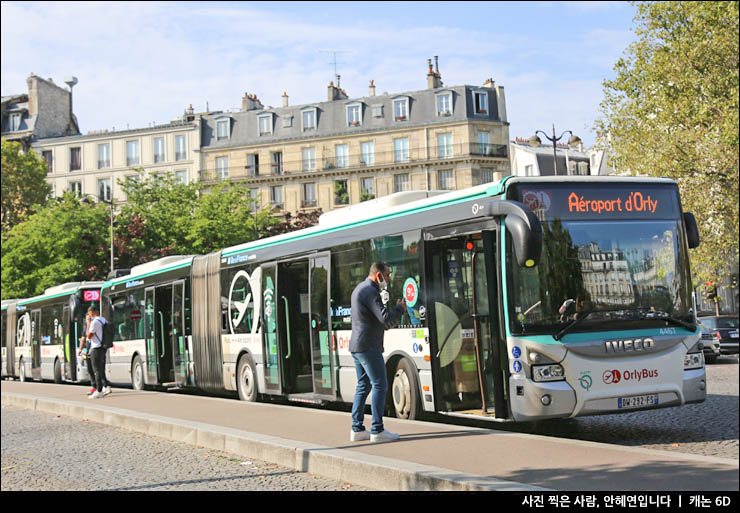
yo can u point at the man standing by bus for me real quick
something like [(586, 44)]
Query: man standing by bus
[(97, 353), (370, 318)]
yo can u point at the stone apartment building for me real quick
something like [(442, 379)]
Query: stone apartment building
[(344, 150)]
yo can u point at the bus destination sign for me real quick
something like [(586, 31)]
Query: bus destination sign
[(565, 201)]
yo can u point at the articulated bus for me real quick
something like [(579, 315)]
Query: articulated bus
[(528, 299), (40, 335)]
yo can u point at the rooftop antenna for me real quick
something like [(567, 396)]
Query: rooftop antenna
[(334, 62)]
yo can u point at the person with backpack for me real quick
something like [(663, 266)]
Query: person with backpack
[(99, 344)]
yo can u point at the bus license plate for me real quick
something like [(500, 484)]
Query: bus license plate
[(638, 401)]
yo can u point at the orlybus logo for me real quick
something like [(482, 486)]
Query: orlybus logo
[(612, 376)]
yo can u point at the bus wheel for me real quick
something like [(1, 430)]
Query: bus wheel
[(246, 381), (405, 391), (57, 372), (137, 374), (22, 371)]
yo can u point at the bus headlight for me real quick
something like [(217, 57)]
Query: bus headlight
[(548, 373), (693, 361)]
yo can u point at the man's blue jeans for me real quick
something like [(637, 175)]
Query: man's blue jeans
[(370, 369)]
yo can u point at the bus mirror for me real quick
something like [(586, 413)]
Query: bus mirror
[(692, 231), (525, 230)]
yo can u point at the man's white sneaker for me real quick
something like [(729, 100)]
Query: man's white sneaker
[(106, 390), (384, 436), (96, 395), (359, 436)]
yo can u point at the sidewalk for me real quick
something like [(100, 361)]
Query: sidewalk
[(429, 456)]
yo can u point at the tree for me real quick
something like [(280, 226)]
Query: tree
[(672, 111), (62, 242), (24, 186)]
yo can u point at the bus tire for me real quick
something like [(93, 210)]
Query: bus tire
[(405, 391), (246, 379), (22, 371), (137, 374), (57, 371)]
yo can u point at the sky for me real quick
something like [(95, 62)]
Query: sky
[(144, 63)]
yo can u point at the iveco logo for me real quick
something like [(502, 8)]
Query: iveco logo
[(623, 346)]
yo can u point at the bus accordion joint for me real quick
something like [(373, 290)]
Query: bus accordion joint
[(525, 229)]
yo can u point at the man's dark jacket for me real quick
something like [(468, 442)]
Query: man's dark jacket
[(370, 318)]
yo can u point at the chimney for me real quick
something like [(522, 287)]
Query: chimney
[(250, 102), (490, 83), (434, 79), (372, 88), (285, 99), (335, 93)]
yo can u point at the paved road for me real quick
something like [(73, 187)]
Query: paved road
[(46, 452), (708, 429)]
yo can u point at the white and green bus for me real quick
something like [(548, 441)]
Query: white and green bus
[(41, 335), (527, 299)]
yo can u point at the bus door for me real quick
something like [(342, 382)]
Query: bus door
[(463, 325), (70, 351), (160, 361), (270, 346), (322, 354), (36, 344), (178, 333), (293, 305)]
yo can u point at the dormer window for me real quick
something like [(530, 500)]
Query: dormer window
[(444, 104), (308, 117), (401, 109), (223, 128), (354, 114), (480, 102), (15, 121), (264, 122)]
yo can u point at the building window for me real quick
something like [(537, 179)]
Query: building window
[(158, 149), (75, 159), (103, 155), (367, 150), (104, 192), (309, 159), (222, 168), (445, 180), (180, 148), (401, 109), (377, 111), (132, 153), (480, 101), (253, 164), (486, 175), (287, 121), (341, 152), (341, 192), (276, 196), (309, 195), (367, 189), (181, 177), (401, 147), (276, 158), (400, 183), (529, 170), (265, 124), (222, 129), (75, 188), (15, 122), (444, 145), (309, 119), (47, 157), (354, 114), (444, 104), (484, 139)]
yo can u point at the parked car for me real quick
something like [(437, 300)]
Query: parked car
[(726, 329), (710, 341)]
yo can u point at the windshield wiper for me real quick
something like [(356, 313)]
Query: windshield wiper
[(664, 316), (581, 316)]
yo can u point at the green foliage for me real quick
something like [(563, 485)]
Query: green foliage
[(64, 241), (672, 111), (24, 186)]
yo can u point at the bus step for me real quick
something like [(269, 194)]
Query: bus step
[(305, 398), (169, 385)]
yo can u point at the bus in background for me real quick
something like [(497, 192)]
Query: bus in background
[(527, 299), (47, 330), (7, 331)]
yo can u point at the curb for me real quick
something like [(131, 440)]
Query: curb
[(376, 472)]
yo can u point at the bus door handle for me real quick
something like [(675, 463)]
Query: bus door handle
[(287, 324), (161, 331)]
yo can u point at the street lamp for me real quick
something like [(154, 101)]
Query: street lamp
[(572, 141)]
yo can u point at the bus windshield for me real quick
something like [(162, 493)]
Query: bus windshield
[(604, 274)]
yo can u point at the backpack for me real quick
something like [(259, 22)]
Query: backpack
[(107, 341)]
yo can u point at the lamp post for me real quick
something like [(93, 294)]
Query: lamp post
[(536, 141)]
